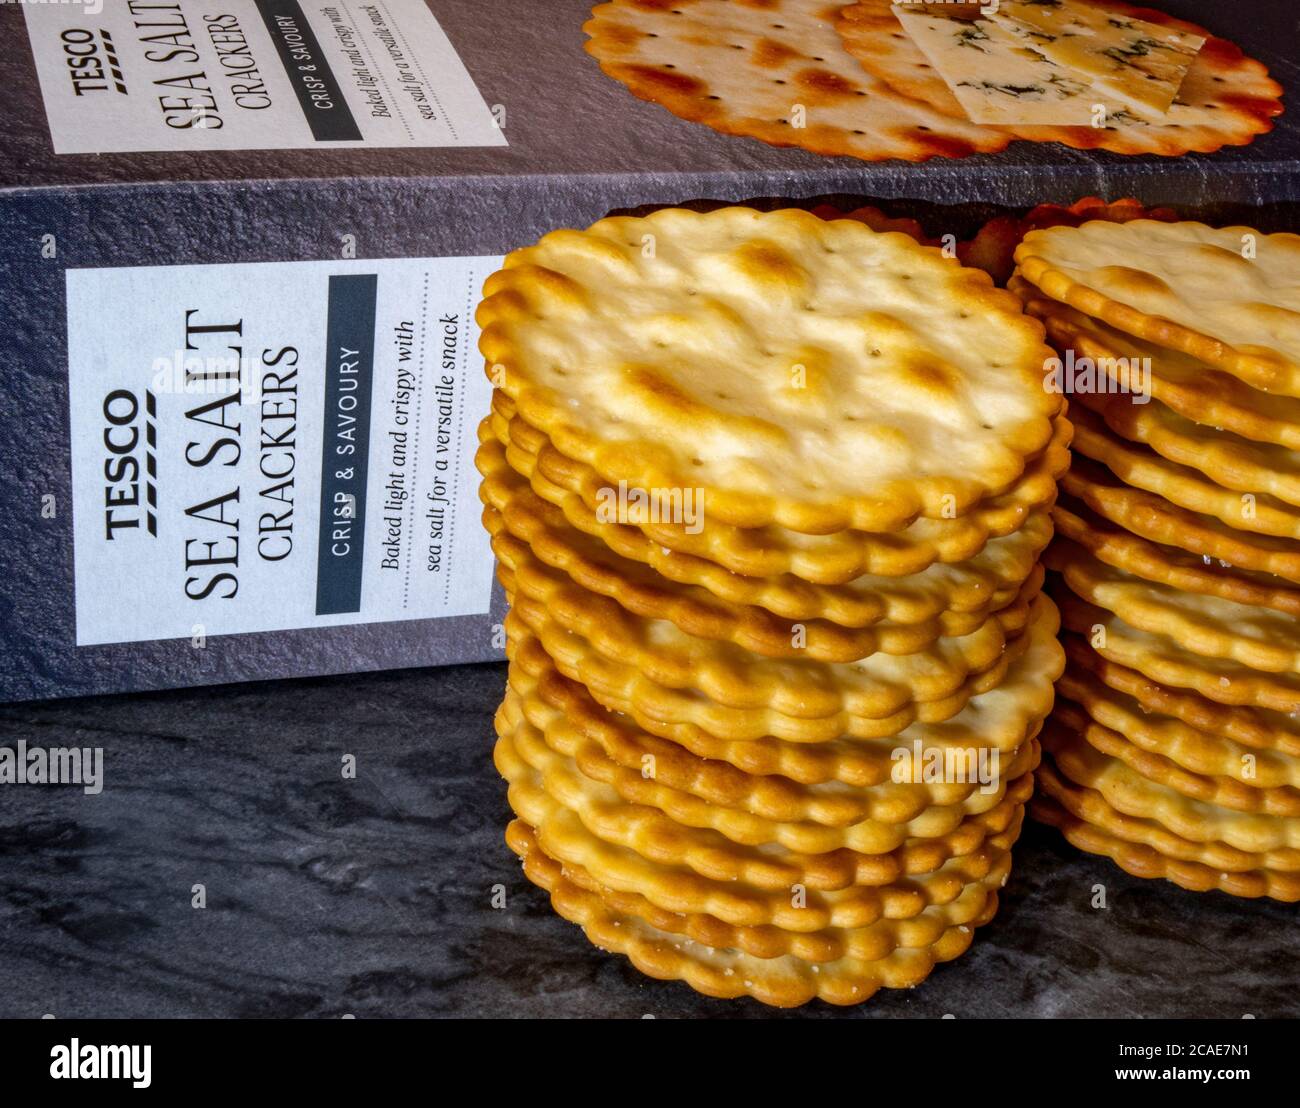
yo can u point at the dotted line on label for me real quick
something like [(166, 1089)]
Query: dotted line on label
[(429, 87), (460, 430), (397, 107), (415, 452)]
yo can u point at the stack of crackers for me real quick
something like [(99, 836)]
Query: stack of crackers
[(1175, 749), (768, 495)]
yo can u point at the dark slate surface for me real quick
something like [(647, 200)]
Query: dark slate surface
[(372, 896)]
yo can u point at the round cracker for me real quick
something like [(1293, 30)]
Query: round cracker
[(855, 379), (1208, 626), (1091, 805), (559, 579), (1225, 296), (698, 614), (1200, 752), (1155, 519), (975, 586), (1133, 794), (1000, 717), (1159, 658), (783, 982), (1157, 765), (1181, 485), (874, 687), (690, 869), (1193, 390), (695, 721), (742, 808), (1141, 860), (995, 243), (869, 943), (1230, 461), (668, 826), (833, 559), (1255, 729), (1168, 565)]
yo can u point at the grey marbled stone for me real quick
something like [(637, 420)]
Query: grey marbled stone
[(372, 896)]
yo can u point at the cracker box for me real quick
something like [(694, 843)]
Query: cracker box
[(243, 246)]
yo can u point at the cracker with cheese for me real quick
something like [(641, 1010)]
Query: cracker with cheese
[(996, 77), (1226, 99), (1121, 57)]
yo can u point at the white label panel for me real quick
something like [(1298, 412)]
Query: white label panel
[(144, 75), (277, 445)]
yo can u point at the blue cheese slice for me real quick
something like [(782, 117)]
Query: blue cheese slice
[(1139, 64), (996, 77)]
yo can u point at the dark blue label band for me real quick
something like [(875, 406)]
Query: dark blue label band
[(345, 443), (318, 92)]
